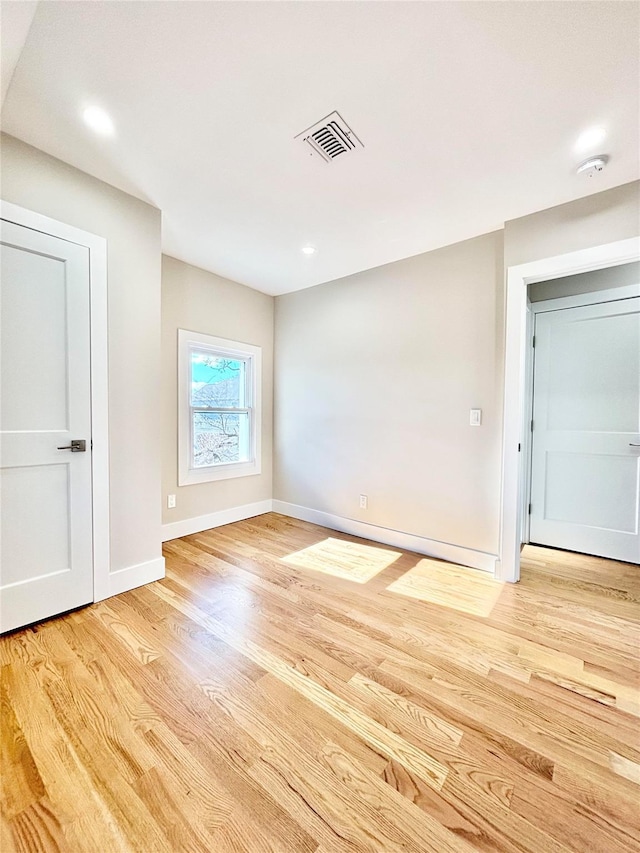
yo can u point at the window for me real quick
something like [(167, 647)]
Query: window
[(219, 408)]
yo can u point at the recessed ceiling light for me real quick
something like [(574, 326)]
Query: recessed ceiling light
[(100, 121), (590, 138), (308, 250)]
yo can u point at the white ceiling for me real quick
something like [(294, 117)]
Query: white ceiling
[(468, 111)]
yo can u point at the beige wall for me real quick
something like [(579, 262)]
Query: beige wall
[(43, 184), (375, 376), (376, 373), (592, 221), (203, 302)]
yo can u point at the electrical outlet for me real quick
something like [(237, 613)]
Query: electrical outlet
[(475, 417), (364, 502), (171, 501)]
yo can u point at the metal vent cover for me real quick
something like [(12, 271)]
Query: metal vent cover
[(330, 138)]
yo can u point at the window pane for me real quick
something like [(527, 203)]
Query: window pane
[(220, 438), (217, 381)]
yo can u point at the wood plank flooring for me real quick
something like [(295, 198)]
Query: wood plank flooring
[(288, 688)]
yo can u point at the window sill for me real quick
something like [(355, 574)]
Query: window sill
[(221, 472)]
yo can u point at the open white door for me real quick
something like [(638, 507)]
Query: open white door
[(46, 519), (585, 483)]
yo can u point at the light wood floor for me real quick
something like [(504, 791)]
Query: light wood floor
[(287, 688)]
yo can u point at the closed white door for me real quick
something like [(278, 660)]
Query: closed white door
[(585, 479), (45, 404)]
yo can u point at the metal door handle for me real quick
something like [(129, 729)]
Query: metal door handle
[(78, 445), (631, 444)]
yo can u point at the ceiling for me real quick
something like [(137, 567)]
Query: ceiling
[(469, 114)]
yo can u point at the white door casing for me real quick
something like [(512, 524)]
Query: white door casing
[(46, 520), (585, 480)]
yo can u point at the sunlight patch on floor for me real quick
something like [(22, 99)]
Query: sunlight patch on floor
[(348, 560), (450, 585)]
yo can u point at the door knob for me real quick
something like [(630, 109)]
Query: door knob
[(78, 445), (631, 444)]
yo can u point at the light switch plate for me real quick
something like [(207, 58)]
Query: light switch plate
[(475, 417)]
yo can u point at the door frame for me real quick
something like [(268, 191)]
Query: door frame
[(99, 350), (518, 378)]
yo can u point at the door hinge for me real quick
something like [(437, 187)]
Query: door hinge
[(519, 446), (91, 444), (531, 424), (529, 509), (533, 341)]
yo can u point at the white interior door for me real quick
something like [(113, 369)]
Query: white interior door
[(46, 562), (585, 479)]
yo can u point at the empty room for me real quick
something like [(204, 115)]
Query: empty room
[(320, 426)]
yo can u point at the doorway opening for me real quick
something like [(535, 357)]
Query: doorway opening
[(582, 452), (519, 366)]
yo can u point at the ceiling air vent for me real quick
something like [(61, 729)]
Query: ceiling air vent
[(330, 138)]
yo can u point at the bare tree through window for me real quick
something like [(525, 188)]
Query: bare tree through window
[(218, 383), (219, 416)]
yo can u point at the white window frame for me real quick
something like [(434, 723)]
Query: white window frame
[(187, 474)]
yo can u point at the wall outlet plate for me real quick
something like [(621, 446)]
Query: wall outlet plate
[(171, 501), (364, 502), (475, 417)]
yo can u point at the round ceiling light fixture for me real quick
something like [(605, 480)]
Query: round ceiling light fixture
[(592, 166), (308, 250), (98, 120)]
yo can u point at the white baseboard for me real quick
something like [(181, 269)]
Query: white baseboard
[(396, 538), (214, 519), (133, 576)]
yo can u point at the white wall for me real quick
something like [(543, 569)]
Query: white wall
[(375, 376), (41, 183), (203, 302)]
